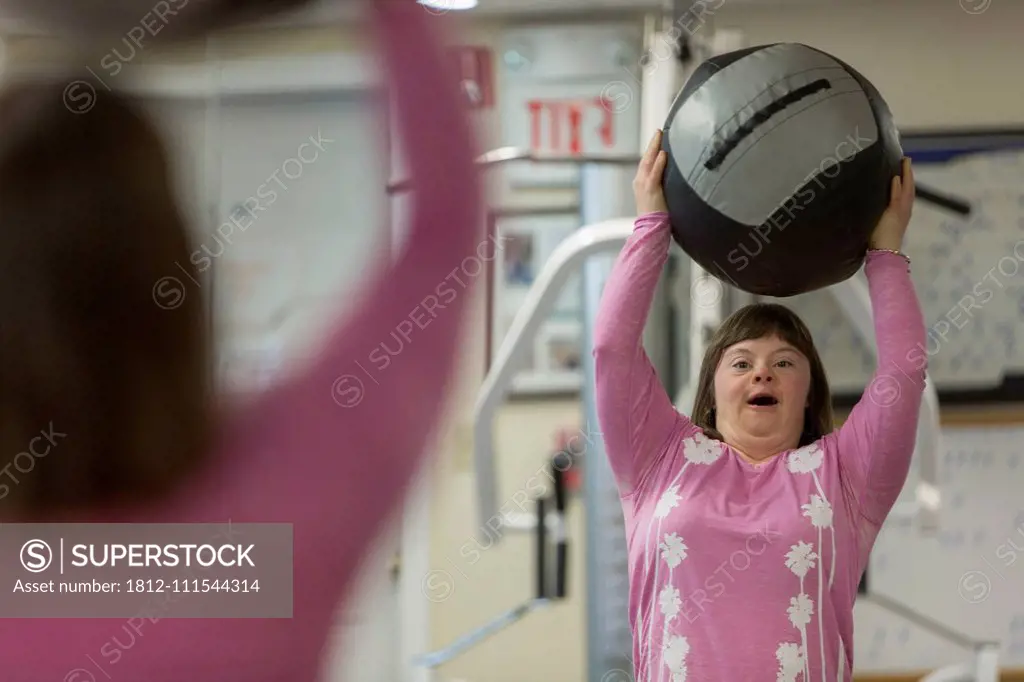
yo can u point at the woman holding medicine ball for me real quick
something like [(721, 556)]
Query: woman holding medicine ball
[(749, 523)]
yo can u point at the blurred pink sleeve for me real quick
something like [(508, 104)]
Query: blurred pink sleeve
[(334, 448)]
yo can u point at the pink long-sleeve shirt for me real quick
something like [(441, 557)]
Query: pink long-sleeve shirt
[(739, 571), (332, 449)]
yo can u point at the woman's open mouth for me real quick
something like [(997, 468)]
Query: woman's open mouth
[(763, 402)]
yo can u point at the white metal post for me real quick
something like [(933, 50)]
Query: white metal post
[(604, 194), (660, 79), (987, 662), (414, 532), (707, 299)]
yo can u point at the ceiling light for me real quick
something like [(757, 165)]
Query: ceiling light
[(442, 6)]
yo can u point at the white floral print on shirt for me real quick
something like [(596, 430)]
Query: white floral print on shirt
[(697, 450), (673, 550), (791, 661), (803, 557), (674, 655)]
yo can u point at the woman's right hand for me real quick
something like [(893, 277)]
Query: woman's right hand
[(650, 198)]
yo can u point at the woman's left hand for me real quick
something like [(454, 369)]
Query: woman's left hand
[(892, 225)]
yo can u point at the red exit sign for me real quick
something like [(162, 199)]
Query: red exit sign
[(571, 126)]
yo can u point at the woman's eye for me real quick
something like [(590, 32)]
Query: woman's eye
[(785, 363), (742, 364)]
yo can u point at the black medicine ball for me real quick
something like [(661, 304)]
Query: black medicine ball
[(780, 164)]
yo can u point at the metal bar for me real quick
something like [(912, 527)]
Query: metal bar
[(549, 16), (959, 672), (582, 159), (942, 200), (596, 480), (986, 664), (541, 548), (539, 211), (660, 80), (489, 287), (474, 637), (927, 623), (604, 194), (563, 263), (561, 531), (503, 155), (984, 667)]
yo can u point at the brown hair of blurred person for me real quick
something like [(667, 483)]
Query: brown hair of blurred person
[(105, 395)]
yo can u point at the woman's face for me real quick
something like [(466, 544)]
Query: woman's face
[(761, 391)]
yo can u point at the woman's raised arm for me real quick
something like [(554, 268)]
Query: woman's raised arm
[(878, 438), (637, 417)]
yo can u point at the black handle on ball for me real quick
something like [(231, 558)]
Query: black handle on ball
[(958, 206)]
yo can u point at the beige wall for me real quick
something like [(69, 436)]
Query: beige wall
[(936, 65)]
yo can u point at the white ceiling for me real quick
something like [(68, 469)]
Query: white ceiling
[(338, 10), (12, 12), (545, 6), (583, 6), (328, 9), (322, 11)]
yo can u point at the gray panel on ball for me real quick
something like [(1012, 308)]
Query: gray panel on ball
[(810, 136)]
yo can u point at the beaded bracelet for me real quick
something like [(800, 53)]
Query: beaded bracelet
[(894, 252)]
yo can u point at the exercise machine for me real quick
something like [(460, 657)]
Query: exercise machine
[(551, 554)]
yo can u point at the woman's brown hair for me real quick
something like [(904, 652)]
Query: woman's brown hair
[(105, 349), (758, 321), (754, 322)]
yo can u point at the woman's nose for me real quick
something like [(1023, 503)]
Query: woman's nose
[(762, 375)]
